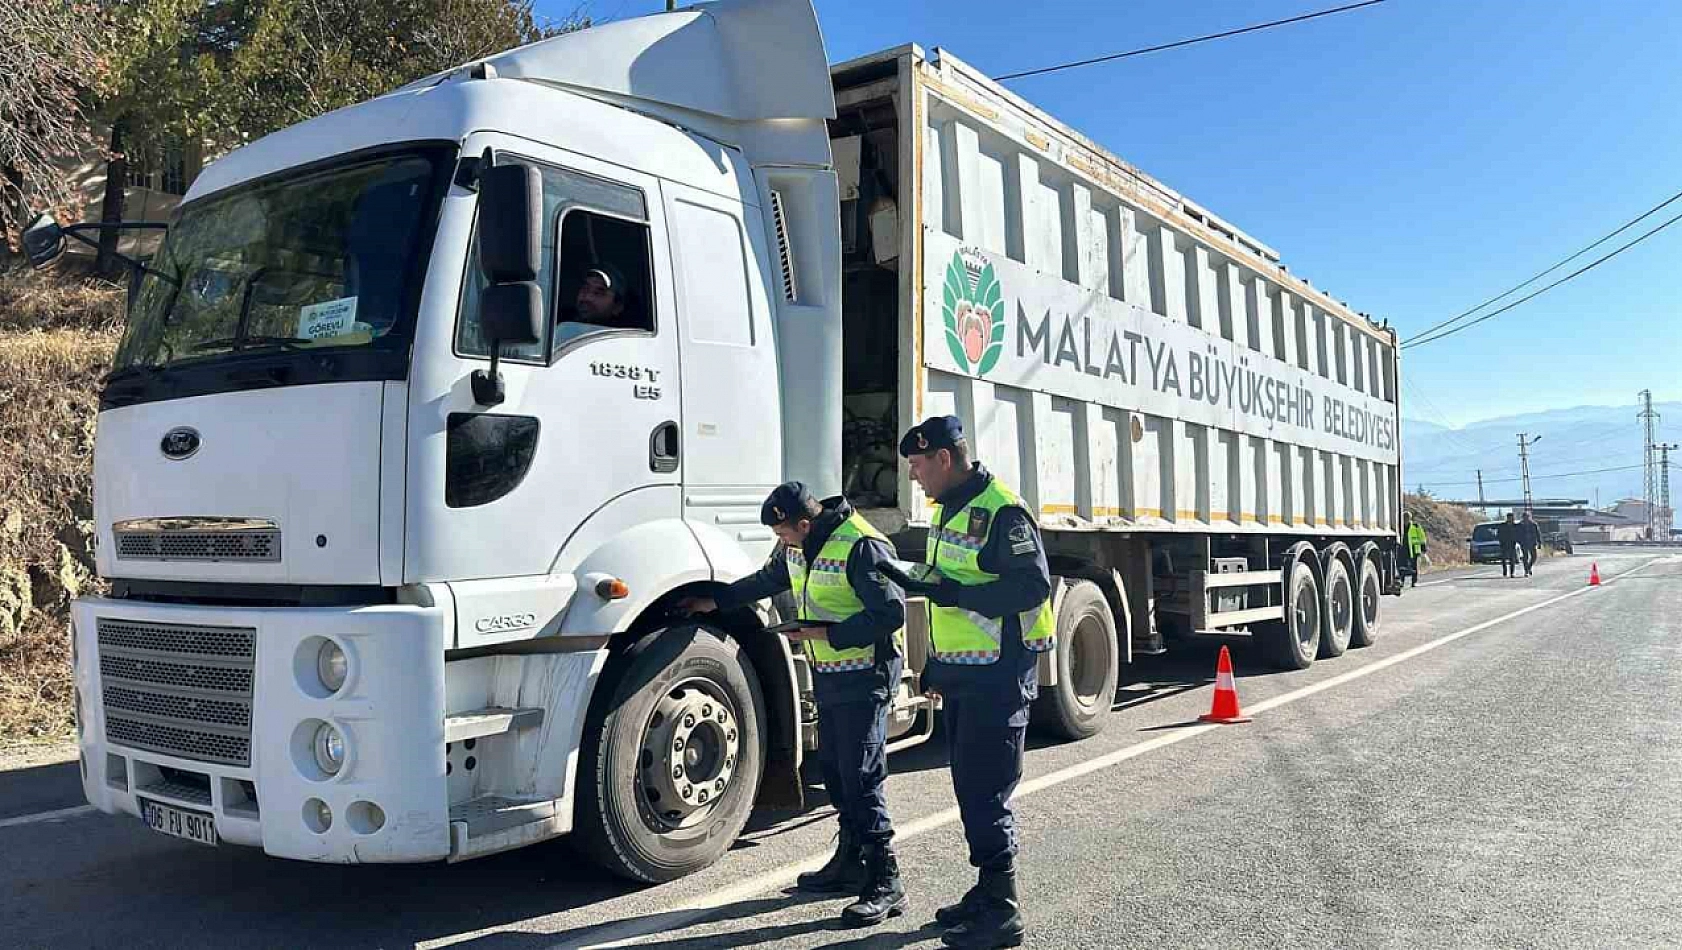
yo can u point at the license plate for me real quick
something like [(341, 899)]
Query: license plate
[(179, 822)]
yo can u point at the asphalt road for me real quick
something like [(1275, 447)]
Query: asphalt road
[(1504, 768)]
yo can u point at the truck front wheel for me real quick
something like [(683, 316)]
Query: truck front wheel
[(671, 763), (1086, 657)]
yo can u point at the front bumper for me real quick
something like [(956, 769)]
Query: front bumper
[(388, 803)]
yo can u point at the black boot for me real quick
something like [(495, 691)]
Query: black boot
[(996, 921), (883, 895), (954, 914), (844, 874)]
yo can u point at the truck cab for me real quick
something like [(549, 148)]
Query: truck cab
[(372, 552)]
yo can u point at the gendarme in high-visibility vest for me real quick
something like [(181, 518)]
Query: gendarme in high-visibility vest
[(1415, 539), (963, 636), (822, 592)]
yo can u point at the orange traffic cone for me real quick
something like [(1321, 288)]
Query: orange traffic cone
[(1594, 574), (1225, 707)]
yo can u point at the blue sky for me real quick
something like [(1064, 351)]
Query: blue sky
[(1412, 158)]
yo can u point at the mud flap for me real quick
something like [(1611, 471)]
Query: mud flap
[(780, 787)]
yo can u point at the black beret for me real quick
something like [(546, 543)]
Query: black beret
[(789, 501), (936, 432)]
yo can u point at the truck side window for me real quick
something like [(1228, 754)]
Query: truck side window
[(595, 234), (604, 277)]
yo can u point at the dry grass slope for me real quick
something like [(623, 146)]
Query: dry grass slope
[(1446, 529), (56, 340)]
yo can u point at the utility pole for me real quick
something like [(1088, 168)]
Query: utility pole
[(1524, 445), (1666, 515), (1650, 462), (1480, 488)]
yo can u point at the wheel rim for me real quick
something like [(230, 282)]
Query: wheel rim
[(690, 749), (1088, 661), (1369, 599), (1343, 607), (1306, 616)]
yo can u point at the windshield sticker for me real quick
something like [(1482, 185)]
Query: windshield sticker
[(332, 318)]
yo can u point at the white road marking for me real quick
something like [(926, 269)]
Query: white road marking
[(46, 816), (626, 933)]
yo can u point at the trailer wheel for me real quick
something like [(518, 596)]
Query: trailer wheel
[(1340, 609), (671, 762), (1367, 596), (1087, 661), (1293, 642)]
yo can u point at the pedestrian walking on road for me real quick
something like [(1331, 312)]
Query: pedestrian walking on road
[(832, 561), (987, 579), (1413, 545), (1530, 539), (1506, 535)]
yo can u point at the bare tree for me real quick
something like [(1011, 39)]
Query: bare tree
[(52, 54)]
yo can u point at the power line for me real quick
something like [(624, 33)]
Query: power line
[(1408, 385), (1517, 287), (1531, 296), (1179, 43), (1592, 471)]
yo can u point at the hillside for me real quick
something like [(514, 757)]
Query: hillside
[(56, 340), (1446, 529), (1592, 453)]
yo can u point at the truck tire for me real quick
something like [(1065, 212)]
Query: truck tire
[(671, 761), (1292, 643), (1087, 658), (1368, 593), (1339, 609)]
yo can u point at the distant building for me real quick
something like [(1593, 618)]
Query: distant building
[(1635, 510), (153, 184), (1606, 526)]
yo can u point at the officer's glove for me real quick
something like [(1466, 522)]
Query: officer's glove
[(943, 593)]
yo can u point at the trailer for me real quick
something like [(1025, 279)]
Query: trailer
[(1210, 443)]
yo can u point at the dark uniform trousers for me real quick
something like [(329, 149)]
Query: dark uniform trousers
[(852, 751), (984, 742)]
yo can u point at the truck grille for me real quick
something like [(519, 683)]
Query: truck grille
[(179, 689), (263, 545)]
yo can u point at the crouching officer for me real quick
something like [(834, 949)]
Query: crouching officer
[(831, 562), (990, 588)]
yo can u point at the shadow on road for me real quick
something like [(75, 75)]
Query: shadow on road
[(742, 934), (40, 788)]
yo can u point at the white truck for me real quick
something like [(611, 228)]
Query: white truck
[(429, 410)]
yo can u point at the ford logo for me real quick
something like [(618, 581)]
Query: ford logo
[(180, 443)]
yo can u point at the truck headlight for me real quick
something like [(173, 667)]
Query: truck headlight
[(329, 749), (331, 665)]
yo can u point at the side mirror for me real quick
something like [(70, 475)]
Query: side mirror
[(510, 257), (43, 240), (512, 313), (510, 223)]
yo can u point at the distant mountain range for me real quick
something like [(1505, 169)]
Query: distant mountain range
[(1585, 452)]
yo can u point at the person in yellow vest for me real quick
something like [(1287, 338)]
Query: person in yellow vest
[(989, 588), (831, 561), (1413, 545)]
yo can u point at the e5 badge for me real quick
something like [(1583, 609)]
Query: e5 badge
[(979, 519)]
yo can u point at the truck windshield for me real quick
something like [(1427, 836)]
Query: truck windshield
[(323, 259), (1483, 532)]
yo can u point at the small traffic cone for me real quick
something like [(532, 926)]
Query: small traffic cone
[(1225, 708), (1594, 574)]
